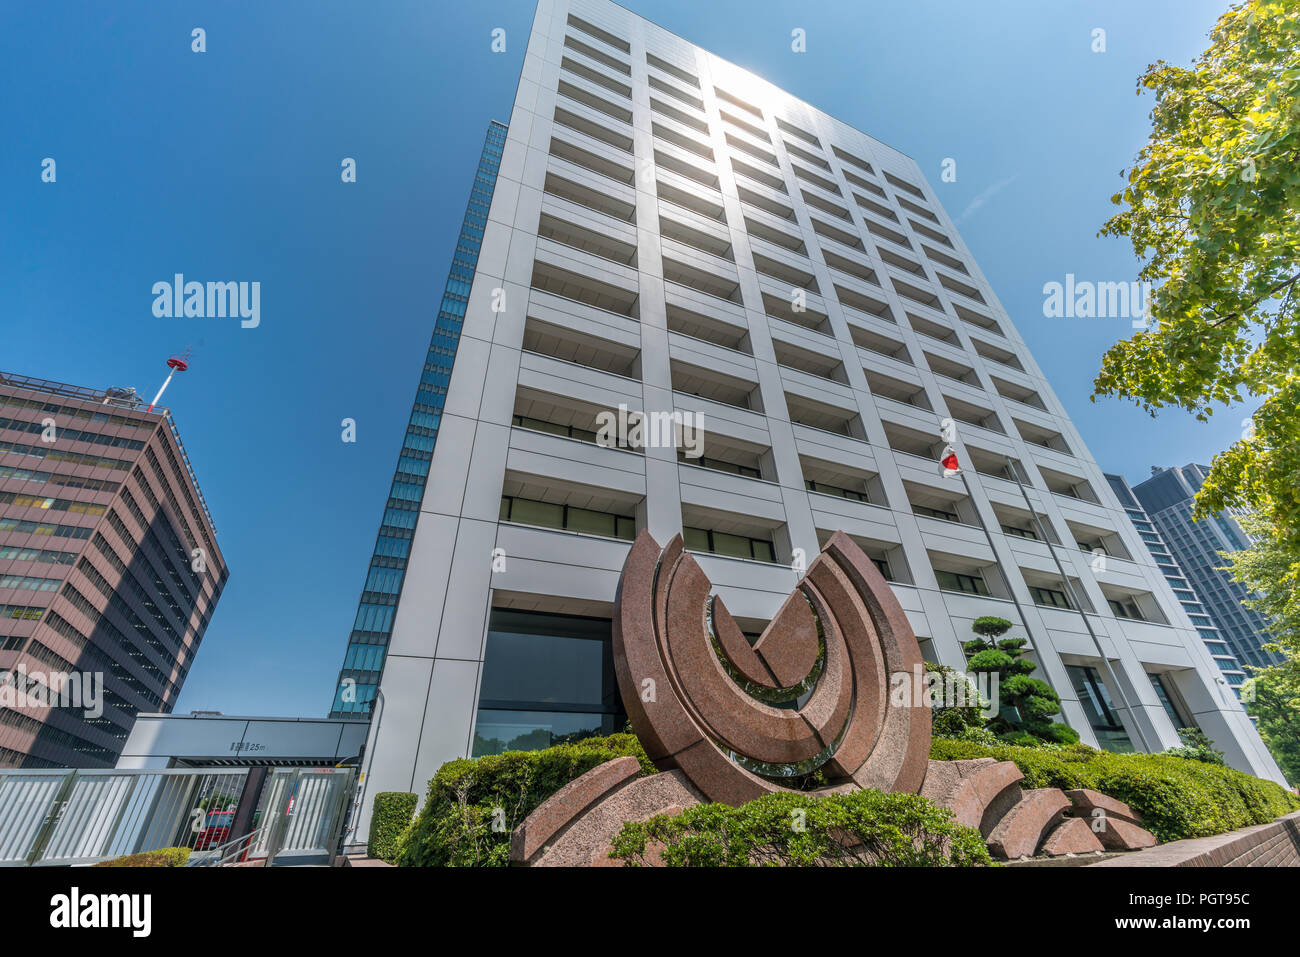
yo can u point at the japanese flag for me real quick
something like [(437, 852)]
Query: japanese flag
[(948, 462)]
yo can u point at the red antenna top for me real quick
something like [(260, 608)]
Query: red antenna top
[(177, 364)]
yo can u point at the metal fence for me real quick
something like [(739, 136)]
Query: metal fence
[(286, 815)]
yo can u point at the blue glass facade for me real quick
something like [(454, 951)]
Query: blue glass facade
[(1184, 590), (1196, 547), (368, 643)]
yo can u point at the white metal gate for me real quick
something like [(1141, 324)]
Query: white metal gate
[(81, 817)]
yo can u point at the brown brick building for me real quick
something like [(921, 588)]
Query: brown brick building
[(109, 569)]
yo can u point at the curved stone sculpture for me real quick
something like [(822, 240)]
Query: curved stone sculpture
[(703, 700), (728, 721)]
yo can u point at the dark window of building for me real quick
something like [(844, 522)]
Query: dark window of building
[(1125, 609), (541, 425), (936, 513), (825, 489), (734, 546), (546, 679), (1163, 692), (526, 511), (1096, 703), (1020, 532), (718, 465), (955, 581), (1049, 596)]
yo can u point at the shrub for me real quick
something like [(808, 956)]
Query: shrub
[(976, 735), (859, 828), (1196, 746), (162, 857), (389, 819), (949, 718), (472, 805), (1022, 739), (1061, 733), (1177, 798)]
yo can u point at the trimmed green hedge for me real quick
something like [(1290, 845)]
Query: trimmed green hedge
[(163, 857), (389, 819), (1177, 797), (473, 804), (800, 830)]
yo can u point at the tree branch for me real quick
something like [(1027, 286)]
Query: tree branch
[(1236, 315)]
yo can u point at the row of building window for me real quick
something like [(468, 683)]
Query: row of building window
[(110, 555), (44, 556), (48, 734), (526, 511), (29, 583), (43, 528), (51, 504), (182, 553), (21, 612), (9, 758), (73, 435), (822, 488), (730, 545), (166, 651), (71, 411), (200, 529), (88, 652), (550, 515), (51, 478), (72, 458)]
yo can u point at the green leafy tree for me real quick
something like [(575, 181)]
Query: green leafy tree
[(1267, 569), (1278, 712), (1033, 700), (1212, 207)]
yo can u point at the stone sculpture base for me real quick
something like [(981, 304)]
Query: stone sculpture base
[(576, 825)]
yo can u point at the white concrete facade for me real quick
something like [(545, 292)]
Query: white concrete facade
[(657, 211)]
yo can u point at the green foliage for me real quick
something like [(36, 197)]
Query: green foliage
[(1196, 746), (954, 720), (1034, 700), (990, 660), (861, 828), (1176, 797), (1279, 720), (980, 735), (1270, 569), (1212, 206), (163, 857), (990, 626), (1061, 733), (389, 820), (472, 805)]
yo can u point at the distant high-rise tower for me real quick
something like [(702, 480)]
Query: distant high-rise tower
[(671, 236), (109, 567), (1167, 498), (1177, 577)]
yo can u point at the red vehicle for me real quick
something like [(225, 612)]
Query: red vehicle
[(216, 830)]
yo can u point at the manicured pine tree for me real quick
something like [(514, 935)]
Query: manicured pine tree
[(1033, 699)]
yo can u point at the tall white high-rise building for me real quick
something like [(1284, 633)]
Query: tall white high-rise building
[(669, 233)]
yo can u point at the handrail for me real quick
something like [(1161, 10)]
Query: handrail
[(226, 854)]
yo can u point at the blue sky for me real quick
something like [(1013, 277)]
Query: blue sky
[(225, 166)]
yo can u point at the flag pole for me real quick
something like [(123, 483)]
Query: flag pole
[(1078, 605)]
